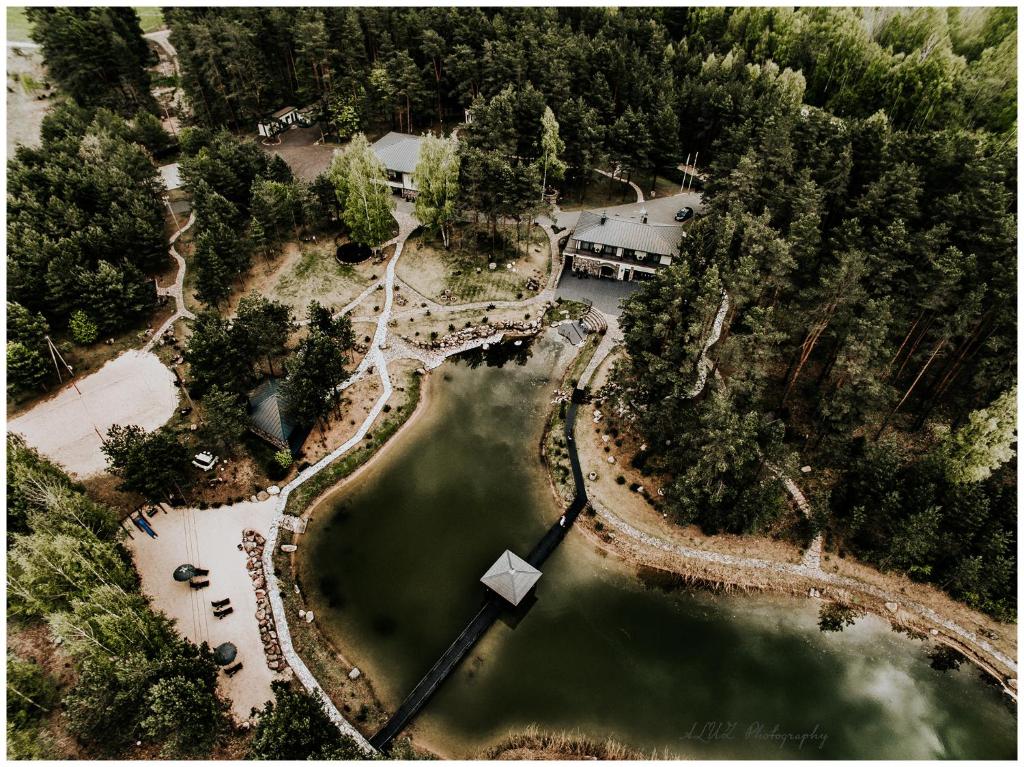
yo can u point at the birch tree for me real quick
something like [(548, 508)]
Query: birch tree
[(437, 179), (984, 443), (363, 193), (551, 147)]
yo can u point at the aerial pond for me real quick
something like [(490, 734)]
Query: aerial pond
[(393, 561)]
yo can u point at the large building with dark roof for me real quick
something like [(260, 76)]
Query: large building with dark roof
[(621, 248)]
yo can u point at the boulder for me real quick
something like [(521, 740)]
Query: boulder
[(262, 495), (309, 616), (274, 490), (302, 613), (355, 673), (611, 459), (892, 607), (288, 548), (934, 632)]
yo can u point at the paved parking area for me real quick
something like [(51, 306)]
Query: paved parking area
[(606, 294), (299, 149)]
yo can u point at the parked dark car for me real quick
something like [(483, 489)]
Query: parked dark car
[(685, 214)]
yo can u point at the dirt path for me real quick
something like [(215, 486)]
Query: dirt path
[(890, 605)]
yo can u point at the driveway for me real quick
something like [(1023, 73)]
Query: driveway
[(299, 149)]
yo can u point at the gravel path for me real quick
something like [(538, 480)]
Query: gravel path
[(812, 571), (176, 291)]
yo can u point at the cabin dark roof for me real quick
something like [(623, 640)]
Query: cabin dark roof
[(399, 151), (618, 232), (511, 577), (270, 420)]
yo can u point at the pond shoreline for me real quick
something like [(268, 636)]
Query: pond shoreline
[(724, 579), (720, 577)]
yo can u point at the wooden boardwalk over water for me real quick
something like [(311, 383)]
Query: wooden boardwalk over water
[(493, 607)]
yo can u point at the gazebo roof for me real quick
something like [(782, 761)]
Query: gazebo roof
[(511, 577)]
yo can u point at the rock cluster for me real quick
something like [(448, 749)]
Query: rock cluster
[(460, 337), (252, 545)]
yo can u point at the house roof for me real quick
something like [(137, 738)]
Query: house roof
[(399, 151), (267, 412), (282, 112), (619, 232), (511, 577)]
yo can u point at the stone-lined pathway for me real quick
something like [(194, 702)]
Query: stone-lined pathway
[(814, 573), (176, 290)]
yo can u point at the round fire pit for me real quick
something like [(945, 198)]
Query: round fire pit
[(353, 253)]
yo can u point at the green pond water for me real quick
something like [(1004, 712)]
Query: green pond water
[(393, 561)]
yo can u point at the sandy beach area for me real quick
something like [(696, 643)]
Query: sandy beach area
[(135, 388), (209, 539)]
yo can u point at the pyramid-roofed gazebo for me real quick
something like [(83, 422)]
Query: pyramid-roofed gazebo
[(511, 577)]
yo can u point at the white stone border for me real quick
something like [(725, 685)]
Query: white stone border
[(376, 357)]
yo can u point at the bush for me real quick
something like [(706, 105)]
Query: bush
[(283, 459), (83, 330), (620, 480)]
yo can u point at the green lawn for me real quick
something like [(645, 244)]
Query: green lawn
[(151, 18), (18, 27)]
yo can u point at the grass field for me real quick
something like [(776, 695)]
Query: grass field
[(600, 191), (18, 27), (431, 270)]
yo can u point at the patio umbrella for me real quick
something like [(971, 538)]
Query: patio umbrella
[(223, 654), (184, 572)]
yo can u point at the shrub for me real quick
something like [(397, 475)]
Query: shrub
[(620, 480), (34, 691), (83, 330), (283, 459)]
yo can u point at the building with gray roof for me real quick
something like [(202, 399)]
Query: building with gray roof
[(399, 153), (511, 577), (619, 247)]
